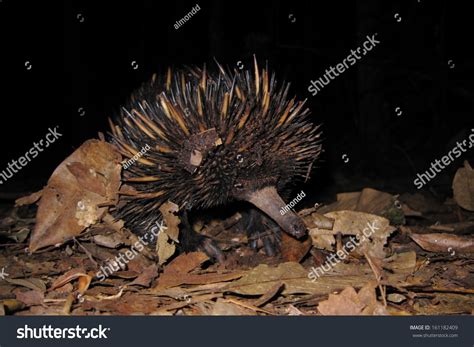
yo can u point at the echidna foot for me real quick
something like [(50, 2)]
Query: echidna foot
[(263, 232)]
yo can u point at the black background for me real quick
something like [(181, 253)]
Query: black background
[(87, 64)]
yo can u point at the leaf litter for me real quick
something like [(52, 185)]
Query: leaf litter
[(406, 261)]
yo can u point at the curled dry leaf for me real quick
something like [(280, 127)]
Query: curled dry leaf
[(369, 201), (463, 187), (31, 283), (370, 230), (178, 272), (196, 147), (171, 220), (146, 277), (223, 308), (442, 242), (181, 265), (165, 244), (268, 295), (84, 280), (31, 297), (109, 241), (292, 249), (351, 303), (28, 200), (346, 303), (264, 278), (9, 306), (71, 201), (164, 248)]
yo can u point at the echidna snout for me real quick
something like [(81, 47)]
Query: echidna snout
[(269, 201)]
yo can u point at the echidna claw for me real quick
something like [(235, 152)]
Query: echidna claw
[(211, 249)]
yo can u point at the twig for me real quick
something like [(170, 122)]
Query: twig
[(378, 277), (250, 307), (89, 254)]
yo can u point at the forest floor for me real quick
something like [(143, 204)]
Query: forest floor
[(416, 258)]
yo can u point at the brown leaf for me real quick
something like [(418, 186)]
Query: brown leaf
[(196, 147), (268, 295), (369, 201), (177, 272), (171, 220), (168, 235), (165, 249), (68, 205), (70, 276), (84, 282), (11, 305), (28, 200), (292, 249), (31, 297), (350, 303), (346, 303), (224, 308), (442, 242), (185, 263), (146, 277), (179, 267), (463, 187), (372, 231), (263, 278), (32, 283), (86, 179), (109, 241)]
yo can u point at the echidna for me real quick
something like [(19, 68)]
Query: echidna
[(213, 138)]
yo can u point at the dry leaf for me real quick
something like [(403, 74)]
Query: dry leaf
[(28, 200), (268, 295), (171, 221), (293, 249), (72, 275), (146, 277), (441, 242), (177, 272), (224, 308), (169, 234), (31, 297), (32, 283), (109, 241), (350, 303), (165, 248), (369, 201), (463, 187), (11, 305), (264, 278), (70, 202), (346, 303), (372, 232)]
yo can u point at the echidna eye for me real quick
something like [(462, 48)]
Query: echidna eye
[(239, 186), (239, 158), (398, 204)]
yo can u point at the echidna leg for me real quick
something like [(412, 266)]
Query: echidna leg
[(191, 241), (263, 232)]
